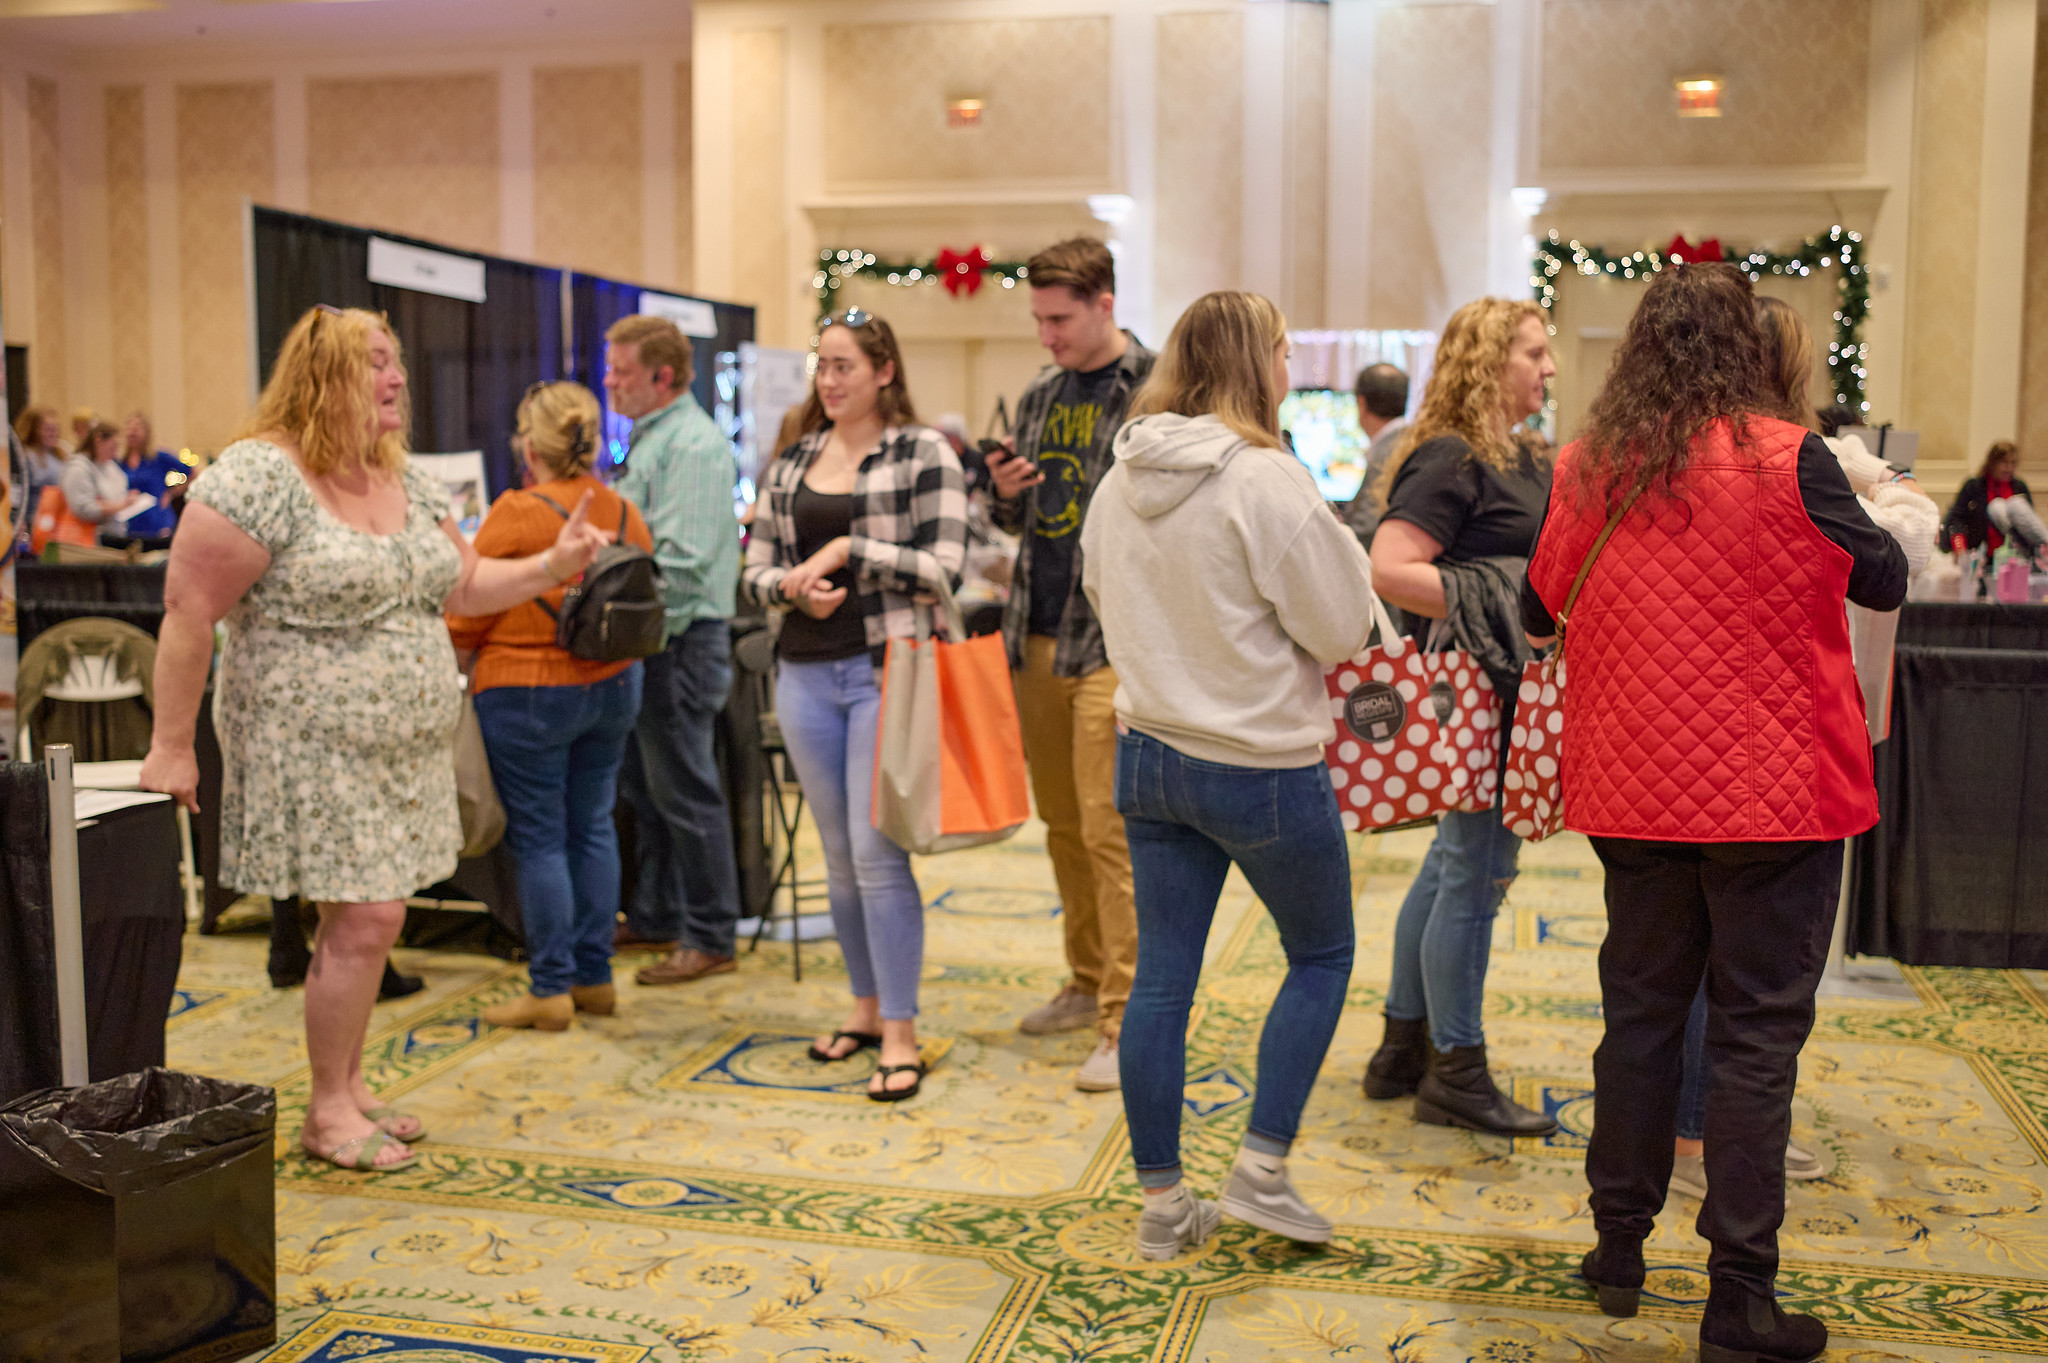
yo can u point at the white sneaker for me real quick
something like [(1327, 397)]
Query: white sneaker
[(1802, 1164), (1099, 1072), (1174, 1223), (1689, 1175), (1268, 1201)]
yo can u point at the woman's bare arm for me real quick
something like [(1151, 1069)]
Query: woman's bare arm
[(1404, 570)]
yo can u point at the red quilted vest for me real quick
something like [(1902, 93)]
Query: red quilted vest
[(1710, 693)]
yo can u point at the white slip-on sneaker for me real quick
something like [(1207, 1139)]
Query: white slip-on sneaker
[(1099, 1072), (1801, 1163), (1689, 1175), (1174, 1223), (1268, 1201)]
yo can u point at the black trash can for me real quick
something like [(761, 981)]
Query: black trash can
[(137, 1221)]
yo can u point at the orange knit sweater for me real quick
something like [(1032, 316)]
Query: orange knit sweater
[(517, 647)]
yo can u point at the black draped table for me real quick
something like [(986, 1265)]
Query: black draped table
[(1956, 871)]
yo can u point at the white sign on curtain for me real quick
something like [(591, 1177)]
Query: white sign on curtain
[(771, 382), (463, 476), (693, 315), (415, 267)]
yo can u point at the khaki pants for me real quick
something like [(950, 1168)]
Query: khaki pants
[(1070, 742)]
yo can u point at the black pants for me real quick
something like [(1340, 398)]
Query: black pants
[(1754, 919)]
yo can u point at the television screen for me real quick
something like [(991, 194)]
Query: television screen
[(1324, 425)]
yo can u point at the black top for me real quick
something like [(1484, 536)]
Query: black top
[(1056, 531), (1969, 515), (1877, 575), (822, 517), (1472, 509)]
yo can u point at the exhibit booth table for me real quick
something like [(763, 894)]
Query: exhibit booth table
[(1956, 871)]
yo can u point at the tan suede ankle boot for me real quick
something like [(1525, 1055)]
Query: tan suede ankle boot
[(551, 1014), (599, 999)]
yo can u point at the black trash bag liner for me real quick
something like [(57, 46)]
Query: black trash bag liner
[(138, 1222), (141, 1130)]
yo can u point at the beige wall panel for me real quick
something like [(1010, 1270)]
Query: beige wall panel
[(760, 204), (46, 366), (226, 154), (686, 242), (128, 281), (1308, 162), (1941, 285), (1046, 82), (1198, 223), (587, 206), (1608, 68), (2034, 372), (1431, 116), (410, 154)]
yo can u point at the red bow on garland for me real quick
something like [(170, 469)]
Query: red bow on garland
[(1683, 252), (962, 269)]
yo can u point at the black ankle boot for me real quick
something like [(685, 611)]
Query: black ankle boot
[(290, 956), (397, 986), (1401, 1061), (1615, 1269), (1458, 1091), (1745, 1325)]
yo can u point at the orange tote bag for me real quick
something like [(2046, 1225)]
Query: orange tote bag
[(949, 753), (54, 521)]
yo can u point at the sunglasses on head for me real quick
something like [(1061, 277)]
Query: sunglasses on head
[(852, 317)]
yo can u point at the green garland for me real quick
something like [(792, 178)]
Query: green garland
[(837, 265), (1846, 353)]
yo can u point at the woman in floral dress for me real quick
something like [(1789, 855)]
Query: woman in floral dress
[(331, 561)]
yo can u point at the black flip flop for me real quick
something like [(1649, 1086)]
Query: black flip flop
[(866, 1039), (889, 1095)]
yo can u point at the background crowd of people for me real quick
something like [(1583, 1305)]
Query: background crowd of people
[(1179, 588)]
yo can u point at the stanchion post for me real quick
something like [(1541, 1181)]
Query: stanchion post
[(69, 930)]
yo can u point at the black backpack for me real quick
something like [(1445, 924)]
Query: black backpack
[(615, 614)]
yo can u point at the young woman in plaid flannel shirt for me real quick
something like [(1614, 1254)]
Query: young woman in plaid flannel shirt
[(863, 517)]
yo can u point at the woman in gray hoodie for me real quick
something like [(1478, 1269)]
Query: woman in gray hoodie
[(1224, 584)]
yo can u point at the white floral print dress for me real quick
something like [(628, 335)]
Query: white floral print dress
[(338, 693)]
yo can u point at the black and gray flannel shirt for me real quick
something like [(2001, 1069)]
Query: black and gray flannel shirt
[(1079, 649)]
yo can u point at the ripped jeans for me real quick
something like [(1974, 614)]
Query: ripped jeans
[(1445, 932)]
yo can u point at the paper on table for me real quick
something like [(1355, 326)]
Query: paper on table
[(125, 512), (91, 804)]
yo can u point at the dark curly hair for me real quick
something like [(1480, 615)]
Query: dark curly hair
[(1692, 353)]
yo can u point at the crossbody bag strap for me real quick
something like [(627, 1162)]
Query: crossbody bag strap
[(1571, 597)]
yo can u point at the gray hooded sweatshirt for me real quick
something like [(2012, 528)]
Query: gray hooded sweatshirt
[(1224, 584)]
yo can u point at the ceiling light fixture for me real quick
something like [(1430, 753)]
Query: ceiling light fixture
[(1699, 96)]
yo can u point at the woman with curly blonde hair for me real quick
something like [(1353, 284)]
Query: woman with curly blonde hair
[(1464, 495), (331, 560)]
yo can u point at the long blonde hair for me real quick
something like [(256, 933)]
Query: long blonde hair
[(1464, 393), (1218, 362), (319, 395), (1788, 357), (559, 422)]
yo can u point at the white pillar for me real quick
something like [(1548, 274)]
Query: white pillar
[(17, 215), (1131, 223), (1264, 236), (711, 161), (88, 321), (1995, 351), (515, 158), (658, 170), (1887, 249), (1347, 278), (166, 301), (1507, 223)]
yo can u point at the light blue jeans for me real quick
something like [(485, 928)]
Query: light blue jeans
[(829, 714), (1444, 936)]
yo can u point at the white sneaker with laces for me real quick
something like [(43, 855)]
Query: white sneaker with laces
[(1174, 1223), (1259, 1192), (1099, 1072)]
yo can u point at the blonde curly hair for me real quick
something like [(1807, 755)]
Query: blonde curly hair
[(320, 394), (560, 423), (1464, 394)]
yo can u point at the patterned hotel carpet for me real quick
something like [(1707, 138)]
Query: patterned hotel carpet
[(680, 1183)]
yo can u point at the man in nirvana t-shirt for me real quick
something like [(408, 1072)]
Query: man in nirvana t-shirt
[(1065, 687)]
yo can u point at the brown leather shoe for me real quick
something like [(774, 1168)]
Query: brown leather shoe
[(684, 965), (551, 1014), (600, 999), (625, 939)]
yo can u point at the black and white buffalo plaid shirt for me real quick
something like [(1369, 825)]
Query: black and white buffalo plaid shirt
[(909, 527)]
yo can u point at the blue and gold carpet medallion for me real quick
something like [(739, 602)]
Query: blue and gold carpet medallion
[(680, 1182)]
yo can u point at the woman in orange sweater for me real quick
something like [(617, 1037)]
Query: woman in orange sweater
[(555, 725)]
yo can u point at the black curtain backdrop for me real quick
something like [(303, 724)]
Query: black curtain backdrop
[(468, 363), (596, 303)]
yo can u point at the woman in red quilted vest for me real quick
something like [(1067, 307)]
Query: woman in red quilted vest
[(1715, 751)]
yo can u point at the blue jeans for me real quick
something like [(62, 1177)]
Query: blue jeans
[(555, 753), (1692, 1083), (829, 713), (1444, 936), (1187, 821), (688, 886)]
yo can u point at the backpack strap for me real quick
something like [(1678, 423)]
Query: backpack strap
[(542, 600)]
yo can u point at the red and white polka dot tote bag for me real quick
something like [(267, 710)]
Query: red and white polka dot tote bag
[(1532, 805), (1416, 733)]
